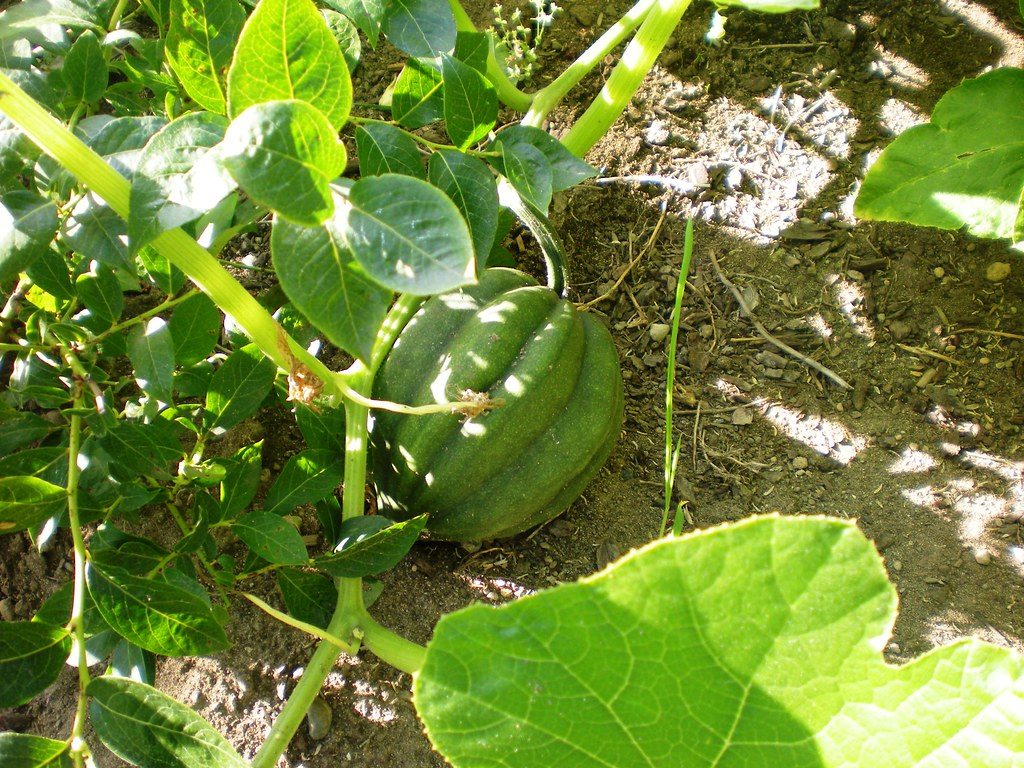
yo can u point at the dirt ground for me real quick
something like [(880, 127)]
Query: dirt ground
[(763, 139)]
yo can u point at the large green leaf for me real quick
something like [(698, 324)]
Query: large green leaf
[(470, 103), (370, 544), (567, 170), (284, 154), (324, 281), (420, 27), (142, 449), (19, 750), (756, 644), (151, 351), (100, 291), (382, 148), (367, 15), (179, 177), (471, 186), (28, 501), (964, 168), (408, 235), (85, 70), (418, 96), (41, 20), (271, 537), (242, 480), (238, 387), (307, 476), (160, 617), (28, 223), (145, 727), (32, 654), (286, 51), (199, 46), (195, 328)]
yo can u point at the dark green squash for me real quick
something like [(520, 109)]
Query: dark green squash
[(514, 466)]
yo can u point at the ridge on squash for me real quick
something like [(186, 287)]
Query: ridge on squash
[(556, 371)]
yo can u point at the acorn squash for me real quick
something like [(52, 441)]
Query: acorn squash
[(555, 372)]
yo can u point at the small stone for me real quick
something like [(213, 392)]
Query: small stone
[(319, 718), (658, 331), (997, 271), (800, 462), (939, 272), (657, 133), (893, 648), (897, 565), (982, 556), (743, 416), (6, 609), (899, 329)]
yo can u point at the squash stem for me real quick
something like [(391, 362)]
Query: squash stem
[(551, 95), (637, 60)]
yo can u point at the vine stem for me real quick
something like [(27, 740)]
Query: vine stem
[(79, 748), (638, 58), (175, 245), (548, 97)]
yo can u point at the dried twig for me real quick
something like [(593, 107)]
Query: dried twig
[(987, 332), (928, 353), (828, 373), (632, 263)]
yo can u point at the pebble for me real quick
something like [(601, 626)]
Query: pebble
[(800, 462), (6, 609), (997, 271), (743, 416), (659, 331), (319, 718), (982, 556), (657, 134)]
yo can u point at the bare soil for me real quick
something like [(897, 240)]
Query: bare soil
[(763, 140)]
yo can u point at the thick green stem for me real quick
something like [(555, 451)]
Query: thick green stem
[(79, 749), (509, 94), (176, 246), (548, 97), (629, 73), (394, 649)]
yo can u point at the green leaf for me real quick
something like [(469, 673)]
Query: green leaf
[(238, 387), (85, 70), (323, 280), (132, 662), (309, 597), (964, 168), (19, 750), (473, 48), (32, 654), (287, 52), (418, 96), (50, 272), (272, 538), (322, 428), (772, 6), (28, 501), (17, 431), (307, 476), (142, 449), (420, 27), (153, 614), (242, 480), (408, 235), (347, 35), (471, 186), (567, 170), (470, 103), (529, 171), (367, 15), (199, 46), (284, 154), (165, 276), (145, 727), (757, 643), (100, 291), (151, 351), (95, 230), (28, 224), (195, 328), (43, 20), (382, 148), (369, 545), (179, 177)]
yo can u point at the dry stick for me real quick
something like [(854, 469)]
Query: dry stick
[(987, 332), (929, 353), (835, 377), (633, 262)]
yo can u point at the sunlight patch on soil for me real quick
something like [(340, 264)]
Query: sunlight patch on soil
[(497, 590), (851, 300), (898, 70), (896, 116), (912, 461), (983, 20)]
